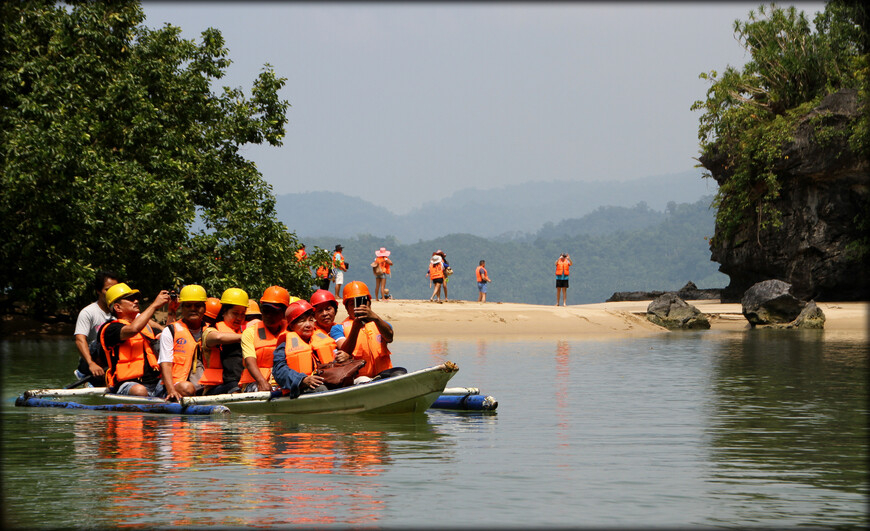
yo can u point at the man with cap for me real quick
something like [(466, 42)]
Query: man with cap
[(127, 341), (339, 266)]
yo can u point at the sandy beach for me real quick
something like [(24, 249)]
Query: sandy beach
[(414, 319), (417, 319)]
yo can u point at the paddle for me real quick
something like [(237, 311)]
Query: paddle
[(84, 380)]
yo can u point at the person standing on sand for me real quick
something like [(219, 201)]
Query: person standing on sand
[(339, 266), (436, 276), (563, 269), (381, 268), (482, 280)]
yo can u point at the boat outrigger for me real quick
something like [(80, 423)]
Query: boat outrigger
[(413, 392)]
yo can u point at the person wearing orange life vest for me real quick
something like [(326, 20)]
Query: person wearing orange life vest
[(339, 266), (222, 355), (181, 347), (563, 269), (365, 335), (298, 353), (301, 254), (381, 267), (325, 307), (260, 338), (127, 341), (482, 279), (436, 276), (322, 277)]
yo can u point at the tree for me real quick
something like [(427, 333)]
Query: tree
[(750, 114), (114, 145)]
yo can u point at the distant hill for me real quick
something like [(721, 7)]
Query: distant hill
[(510, 212)]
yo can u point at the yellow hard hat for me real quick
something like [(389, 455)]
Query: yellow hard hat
[(192, 293), (118, 291), (235, 296)]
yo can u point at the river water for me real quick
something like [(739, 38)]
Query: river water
[(725, 429)]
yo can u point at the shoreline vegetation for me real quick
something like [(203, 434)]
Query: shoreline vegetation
[(417, 320)]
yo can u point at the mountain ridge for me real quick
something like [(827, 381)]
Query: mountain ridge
[(495, 212)]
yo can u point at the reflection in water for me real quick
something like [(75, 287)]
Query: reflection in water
[(276, 471), (563, 410), (481, 350), (438, 352), (789, 419)]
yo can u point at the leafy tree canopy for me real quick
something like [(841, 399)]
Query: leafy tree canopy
[(113, 144), (750, 114)]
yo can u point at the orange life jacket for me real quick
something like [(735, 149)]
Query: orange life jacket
[(322, 272), (185, 351), (563, 267), (298, 352), (480, 272), (436, 271), (338, 260), (264, 344), (300, 255), (323, 346), (127, 359), (370, 346), (385, 264), (213, 368)]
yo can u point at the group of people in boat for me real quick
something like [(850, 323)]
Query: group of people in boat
[(226, 345)]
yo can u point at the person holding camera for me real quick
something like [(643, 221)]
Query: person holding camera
[(365, 335), (563, 269)]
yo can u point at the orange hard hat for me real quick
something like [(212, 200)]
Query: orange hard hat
[(276, 295), (212, 307), (253, 308), (356, 289), (321, 296), (297, 309)]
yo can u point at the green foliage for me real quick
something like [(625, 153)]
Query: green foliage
[(750, 114), (665, 253), (113, 144)]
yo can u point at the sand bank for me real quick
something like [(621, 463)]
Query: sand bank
[(413, 319)]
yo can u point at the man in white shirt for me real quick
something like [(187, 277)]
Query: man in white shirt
[(89, 321)]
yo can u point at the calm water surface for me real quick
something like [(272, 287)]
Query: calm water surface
[(762, 428)]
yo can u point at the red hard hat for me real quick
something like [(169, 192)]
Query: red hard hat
[(297, 309), (320, 296)]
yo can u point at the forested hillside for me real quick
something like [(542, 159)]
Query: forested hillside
[(613, 248)]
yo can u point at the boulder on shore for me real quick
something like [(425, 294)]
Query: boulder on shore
[(673, 313), (770, 302)]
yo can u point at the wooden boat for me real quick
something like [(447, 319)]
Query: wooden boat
[(413, 392)]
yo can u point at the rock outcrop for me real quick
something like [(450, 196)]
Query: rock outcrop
[(674, 313), (771, 304), (689, 292), (825, 193)]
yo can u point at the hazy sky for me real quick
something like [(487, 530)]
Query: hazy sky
[(406, 103)]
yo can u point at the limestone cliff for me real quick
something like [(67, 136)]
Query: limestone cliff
[(824, 197)]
